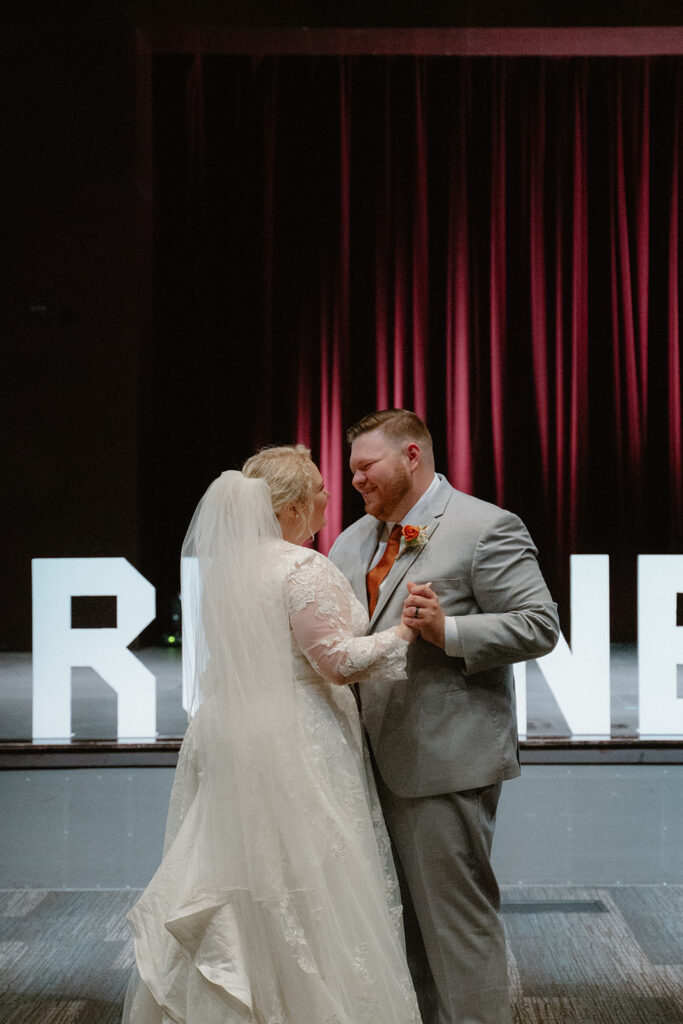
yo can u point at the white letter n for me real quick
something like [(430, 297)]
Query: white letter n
[(579, 678)]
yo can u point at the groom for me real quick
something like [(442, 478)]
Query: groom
[(445, 739)]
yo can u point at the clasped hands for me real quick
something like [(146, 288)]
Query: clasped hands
[(422, 614)]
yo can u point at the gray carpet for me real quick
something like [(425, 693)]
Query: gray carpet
[(612, 955)]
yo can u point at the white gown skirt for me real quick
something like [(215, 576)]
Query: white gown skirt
[(329, 953)]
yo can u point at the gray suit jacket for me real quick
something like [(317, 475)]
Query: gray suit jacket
[(451, 726)]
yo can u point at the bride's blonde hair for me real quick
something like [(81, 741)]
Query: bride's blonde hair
[(288, 471)]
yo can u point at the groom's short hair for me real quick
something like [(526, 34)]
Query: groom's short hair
[(398, 424)]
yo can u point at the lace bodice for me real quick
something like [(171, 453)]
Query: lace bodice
[(328, 623)]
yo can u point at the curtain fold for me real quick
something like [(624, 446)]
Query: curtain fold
[(580, 383), (498, 278), (458, 356), (535, 130), (420, 256), (491, 241), (675, 424)]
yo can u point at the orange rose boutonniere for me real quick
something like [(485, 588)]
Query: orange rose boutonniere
[(414, 537)]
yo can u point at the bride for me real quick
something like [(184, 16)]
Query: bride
[(276, 901)]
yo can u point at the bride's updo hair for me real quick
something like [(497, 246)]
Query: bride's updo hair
[(288, 471)]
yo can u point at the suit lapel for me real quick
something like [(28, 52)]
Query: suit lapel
[(367, 549)]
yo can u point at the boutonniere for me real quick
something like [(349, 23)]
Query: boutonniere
[(413, 537)]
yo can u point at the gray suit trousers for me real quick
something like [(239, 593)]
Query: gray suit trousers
[(443, 847)]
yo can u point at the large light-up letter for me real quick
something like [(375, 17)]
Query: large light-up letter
[(660, 644), (57, 647), (519, 672), (579, 678)]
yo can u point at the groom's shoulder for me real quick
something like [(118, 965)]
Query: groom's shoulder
[(352, 535), (467, 510), (462, 501)]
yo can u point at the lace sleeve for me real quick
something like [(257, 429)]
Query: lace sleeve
[(322, 609)]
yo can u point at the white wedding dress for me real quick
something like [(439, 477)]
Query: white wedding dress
[(322, 950)]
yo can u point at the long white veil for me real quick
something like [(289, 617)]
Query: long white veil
[(254, 822)]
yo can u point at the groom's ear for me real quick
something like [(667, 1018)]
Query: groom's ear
[(414, 456)]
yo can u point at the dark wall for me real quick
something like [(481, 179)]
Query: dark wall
[(73, 309), (69, 314)]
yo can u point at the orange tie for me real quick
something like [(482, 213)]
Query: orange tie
[(379, 571)]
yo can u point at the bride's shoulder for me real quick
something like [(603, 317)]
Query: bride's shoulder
[(279, 548), (282, 554), (313, 579), (303, 562), (304, 558), (317, 571)]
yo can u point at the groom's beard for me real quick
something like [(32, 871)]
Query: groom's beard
[(385, 497)]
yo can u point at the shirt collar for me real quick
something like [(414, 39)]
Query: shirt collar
[(418, 511)]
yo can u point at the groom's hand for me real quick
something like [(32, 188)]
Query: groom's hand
[(430, 620)]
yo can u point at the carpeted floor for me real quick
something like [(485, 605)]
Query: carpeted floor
[(576, 956)]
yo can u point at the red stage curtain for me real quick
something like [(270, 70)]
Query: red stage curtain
[(493, 242)]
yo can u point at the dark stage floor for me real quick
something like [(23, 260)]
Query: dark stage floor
[(575, 955)]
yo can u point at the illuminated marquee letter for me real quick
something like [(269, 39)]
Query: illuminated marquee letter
[(660, 644), (579, 677), (57, 647), (519, 672)]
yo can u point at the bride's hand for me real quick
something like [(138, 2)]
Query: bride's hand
[(405, 631)]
